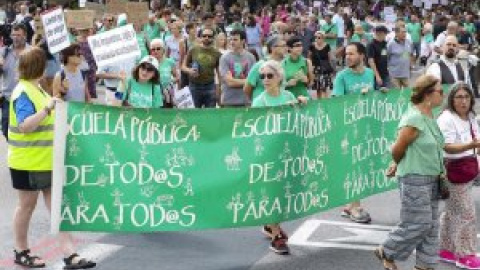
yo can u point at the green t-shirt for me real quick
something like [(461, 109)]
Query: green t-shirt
[(165, 68), (207, 60), (267, 100), (424, 156), (429, 38), (292, 69), (142, 44), (330, 29), (143, 95), (253, 79), (162, 23), (364, 38), (470, 28), (366, 26), (152, 31), (348, 82), (415, 31)]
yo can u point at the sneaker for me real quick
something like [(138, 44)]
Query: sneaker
[(267, 231), (358, 216), (469, 262), (279, 245), (447, 256)]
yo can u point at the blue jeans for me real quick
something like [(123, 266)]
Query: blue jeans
[(5, 114), (416, 47), (203, 95)]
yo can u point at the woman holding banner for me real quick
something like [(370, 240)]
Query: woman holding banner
[(418, 164), (30, 157), (272, 75)]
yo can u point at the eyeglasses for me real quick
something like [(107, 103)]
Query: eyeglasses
[(207, 36), (110, 20), (156, 49), (147, 67), (462, 97), (266, 75), (319, 37)]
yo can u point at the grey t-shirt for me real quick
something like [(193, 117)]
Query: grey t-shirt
[(238, 65), (76, 86), (399, 58), (10, 70)]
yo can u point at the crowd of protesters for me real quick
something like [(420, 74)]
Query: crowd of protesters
[(261, 55)]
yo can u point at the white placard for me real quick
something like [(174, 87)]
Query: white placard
[(55, 30), (317, 4), (391, 18), (428, 4), (417, 3), (444, 2), (388, 11), (81, 3), (333, 1), (435, 2), (183, 98), (114, 45)]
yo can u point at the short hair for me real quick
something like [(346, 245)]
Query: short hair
[(189, 26), (276, 67), (200, 33), (208, 16), (452, 24), (71, 50), (453, 91), (291, 41), (423, 86), (240, 33), (32, 9), (359, 46), (32, 63), (19, 26), (135, 74)]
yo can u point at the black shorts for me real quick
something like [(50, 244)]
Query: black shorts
[(31, 181)]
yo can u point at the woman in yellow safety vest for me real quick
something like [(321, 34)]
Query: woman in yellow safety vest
[(30, 154)]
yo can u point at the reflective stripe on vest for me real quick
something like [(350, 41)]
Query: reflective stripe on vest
[(31, 151)]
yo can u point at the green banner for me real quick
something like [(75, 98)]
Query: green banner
[(139, 170)]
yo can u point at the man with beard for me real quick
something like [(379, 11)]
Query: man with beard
[(356, 78), (201, 63), (447, 68), (9, 72)]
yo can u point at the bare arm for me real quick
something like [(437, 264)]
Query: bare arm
[(405, 137), (32, 122)]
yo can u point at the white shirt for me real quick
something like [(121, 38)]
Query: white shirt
[(434, 69), (457, 130)]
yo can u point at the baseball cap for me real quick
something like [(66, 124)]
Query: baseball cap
[(150, 60)]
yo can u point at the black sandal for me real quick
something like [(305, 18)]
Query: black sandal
[(381, 256), (24, 259), (419, 268), (81, 264)]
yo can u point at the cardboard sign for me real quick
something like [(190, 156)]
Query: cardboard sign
[(115, 45), (80, 19), (116, 7), (55, 30), (98, 8), (137, 12)]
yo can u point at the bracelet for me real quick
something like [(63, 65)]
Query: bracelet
[(47, 110)]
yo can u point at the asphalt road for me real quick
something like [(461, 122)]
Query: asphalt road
[(321, 241)]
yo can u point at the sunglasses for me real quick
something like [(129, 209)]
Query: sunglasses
[(110, 20), (266, 75), (147, 67), (207, 36), (319, 37), (156, 49)]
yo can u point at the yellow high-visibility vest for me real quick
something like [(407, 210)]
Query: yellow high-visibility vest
[(31, 151)]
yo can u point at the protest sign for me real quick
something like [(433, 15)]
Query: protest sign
[(98, 8), (55, 30), (81, 3), (391, 18), (137, 13), (114, 45), (417, 3), (116, 7), (80, 19), (427, 4), (435, 2), (137, 170), (444, 2), (317, 4), (389, 10), (183, 98)]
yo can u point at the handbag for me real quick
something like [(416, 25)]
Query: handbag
[(462, 170)]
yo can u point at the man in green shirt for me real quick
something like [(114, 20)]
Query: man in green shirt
[(414, 28), (356, 78), (330, 29), (152, 29)]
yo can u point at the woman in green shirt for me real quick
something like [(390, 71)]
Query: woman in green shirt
[(142, 89), (272, 75), (418, 164), (298, 69)]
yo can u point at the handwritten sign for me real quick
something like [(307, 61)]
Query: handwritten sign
[(138, 170), (116, 7), (428, 4), (55, 30), (98, 8), (137, 13), (80, 19), (115, 45), (183, 98), (417, 3)]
